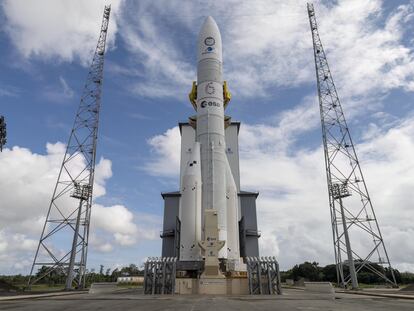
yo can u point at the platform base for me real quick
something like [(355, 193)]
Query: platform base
[(212, 286)]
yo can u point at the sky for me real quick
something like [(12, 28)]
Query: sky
[(47, 46)]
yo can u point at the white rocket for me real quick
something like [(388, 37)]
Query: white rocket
[(208, 172)]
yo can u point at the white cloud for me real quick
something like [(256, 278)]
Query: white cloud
[(114, 219), (282, 130), (106, 248), (120, 222), (25, 197), (58, 92), (57, 29), (103, 171), (165, 159), (365, 56), (67, 90), (98, 243), (293, 203), (292, 208), (124, 239), (9, 91), (155, 54), (268, 44)]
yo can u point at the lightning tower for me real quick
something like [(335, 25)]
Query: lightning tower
[(68, 218), (352, 214)]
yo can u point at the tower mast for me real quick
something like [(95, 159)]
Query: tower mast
[(68, 218), (352, 214)]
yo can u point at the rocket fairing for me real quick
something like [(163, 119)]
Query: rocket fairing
[(218, 189)]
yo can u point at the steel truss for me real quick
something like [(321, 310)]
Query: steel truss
[(159, 276), (68, 217), (263, 276), (352, 214)]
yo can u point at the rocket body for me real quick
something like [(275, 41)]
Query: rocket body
[(207, 182), (210, 124), (210, 133)]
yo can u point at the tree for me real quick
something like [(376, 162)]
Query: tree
[(307, 270), (329, 273)]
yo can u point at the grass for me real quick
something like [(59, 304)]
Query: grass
[(46, 287)]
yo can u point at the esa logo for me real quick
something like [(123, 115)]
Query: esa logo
[(205, 103)]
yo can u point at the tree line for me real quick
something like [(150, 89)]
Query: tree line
[(58, 277), (308, 270), (313, 272)]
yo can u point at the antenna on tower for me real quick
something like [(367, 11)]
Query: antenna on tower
[(68, 218), (352, 214)]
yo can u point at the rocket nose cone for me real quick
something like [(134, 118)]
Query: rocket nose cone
[(209, 40), (209, 20), (209, 26)]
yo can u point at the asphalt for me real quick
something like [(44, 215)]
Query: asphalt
[(126, 300)]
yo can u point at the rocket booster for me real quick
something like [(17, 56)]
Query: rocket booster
[(190, 207)]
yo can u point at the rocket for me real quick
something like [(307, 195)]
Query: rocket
[(210, 178)]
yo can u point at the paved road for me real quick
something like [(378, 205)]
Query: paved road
[(133, 300)]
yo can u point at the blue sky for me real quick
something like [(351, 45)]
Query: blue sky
[(47, 45)]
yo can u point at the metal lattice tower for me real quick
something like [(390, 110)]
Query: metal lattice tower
[(352, 214), (68, 218)]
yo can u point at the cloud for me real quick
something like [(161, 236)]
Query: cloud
[(293, 204), (280, 131), (59, 93), (369, 57), (292, 208), (268, 45), (25, 197), (115, 219), (57, 29), (67, 90), (166, 154), (157, 62), (365, 56), (9, 91)]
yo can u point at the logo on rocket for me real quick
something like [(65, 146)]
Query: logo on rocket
[(209, 41), (210, 90), (205, 103)]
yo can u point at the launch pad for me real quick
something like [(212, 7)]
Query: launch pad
[(210, 235), (134, 300)]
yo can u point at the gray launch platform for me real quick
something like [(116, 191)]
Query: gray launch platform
[(128, 299)]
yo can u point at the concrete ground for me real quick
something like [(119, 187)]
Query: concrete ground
[(126, 300)]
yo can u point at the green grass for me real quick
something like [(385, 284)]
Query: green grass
[(45, 287)]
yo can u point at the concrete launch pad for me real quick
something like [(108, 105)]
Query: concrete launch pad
[(136, 300)]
